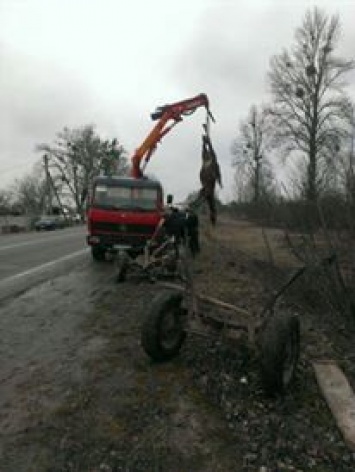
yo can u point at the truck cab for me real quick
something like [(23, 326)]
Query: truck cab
[(123, 214)]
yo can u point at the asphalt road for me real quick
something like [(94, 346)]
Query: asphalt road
[(32, 257)]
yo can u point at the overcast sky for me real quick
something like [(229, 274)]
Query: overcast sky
[(111, 62)]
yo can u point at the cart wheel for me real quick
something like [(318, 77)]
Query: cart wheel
[(163, 333), (122, 262), (280, 350)]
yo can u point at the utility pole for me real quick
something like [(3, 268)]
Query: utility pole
[(257, 175), (48, 195), (50, 189), (255, 146), (351, 157)]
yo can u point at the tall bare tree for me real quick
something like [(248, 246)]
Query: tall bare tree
[(310, 108), (77, 156), (347, 166), (249, 150), (5, 201), (29, 192)]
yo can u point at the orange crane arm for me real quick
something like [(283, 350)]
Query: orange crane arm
[(164, 114)]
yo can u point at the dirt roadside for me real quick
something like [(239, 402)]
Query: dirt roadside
[(79, 394)]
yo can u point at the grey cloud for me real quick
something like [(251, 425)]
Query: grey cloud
[(226, 56), (37, 99)]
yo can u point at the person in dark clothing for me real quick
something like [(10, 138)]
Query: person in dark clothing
[(184, 225), (174, 223), (192, 224)]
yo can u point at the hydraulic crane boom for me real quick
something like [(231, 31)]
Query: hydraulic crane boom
[(167, 113)]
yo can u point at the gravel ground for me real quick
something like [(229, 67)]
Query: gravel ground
[(100, 404)]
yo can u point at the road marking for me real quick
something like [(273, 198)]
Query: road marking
[(46, 265), (29, 243)]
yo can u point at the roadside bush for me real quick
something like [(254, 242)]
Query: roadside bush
[(313, 231), (333, 209)]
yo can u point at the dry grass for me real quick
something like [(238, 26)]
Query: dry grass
[(254, 241)]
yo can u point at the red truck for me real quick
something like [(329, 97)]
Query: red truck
[(123, 214), (124, 211)]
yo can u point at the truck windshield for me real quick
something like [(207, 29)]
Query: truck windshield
[(125, 198)]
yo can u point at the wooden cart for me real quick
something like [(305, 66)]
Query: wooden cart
[(272, 335)]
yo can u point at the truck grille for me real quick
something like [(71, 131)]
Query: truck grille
[(122, 228), (120, 233), (130, 240)]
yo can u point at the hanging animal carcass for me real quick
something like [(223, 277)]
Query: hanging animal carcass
[(209, 174)]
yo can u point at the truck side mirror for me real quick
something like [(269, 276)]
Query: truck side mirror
[(169, 199)]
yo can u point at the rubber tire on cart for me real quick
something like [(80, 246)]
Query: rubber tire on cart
[(280, 350), (163, 335), (121, 263), (98, 253)]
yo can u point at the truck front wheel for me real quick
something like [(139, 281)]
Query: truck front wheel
[(122, 263), (98, 253)]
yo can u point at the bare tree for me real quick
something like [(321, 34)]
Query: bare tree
[(253, 169), (5, 202), (347, 163), (310, 109), (77, 156), (29, 192)]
